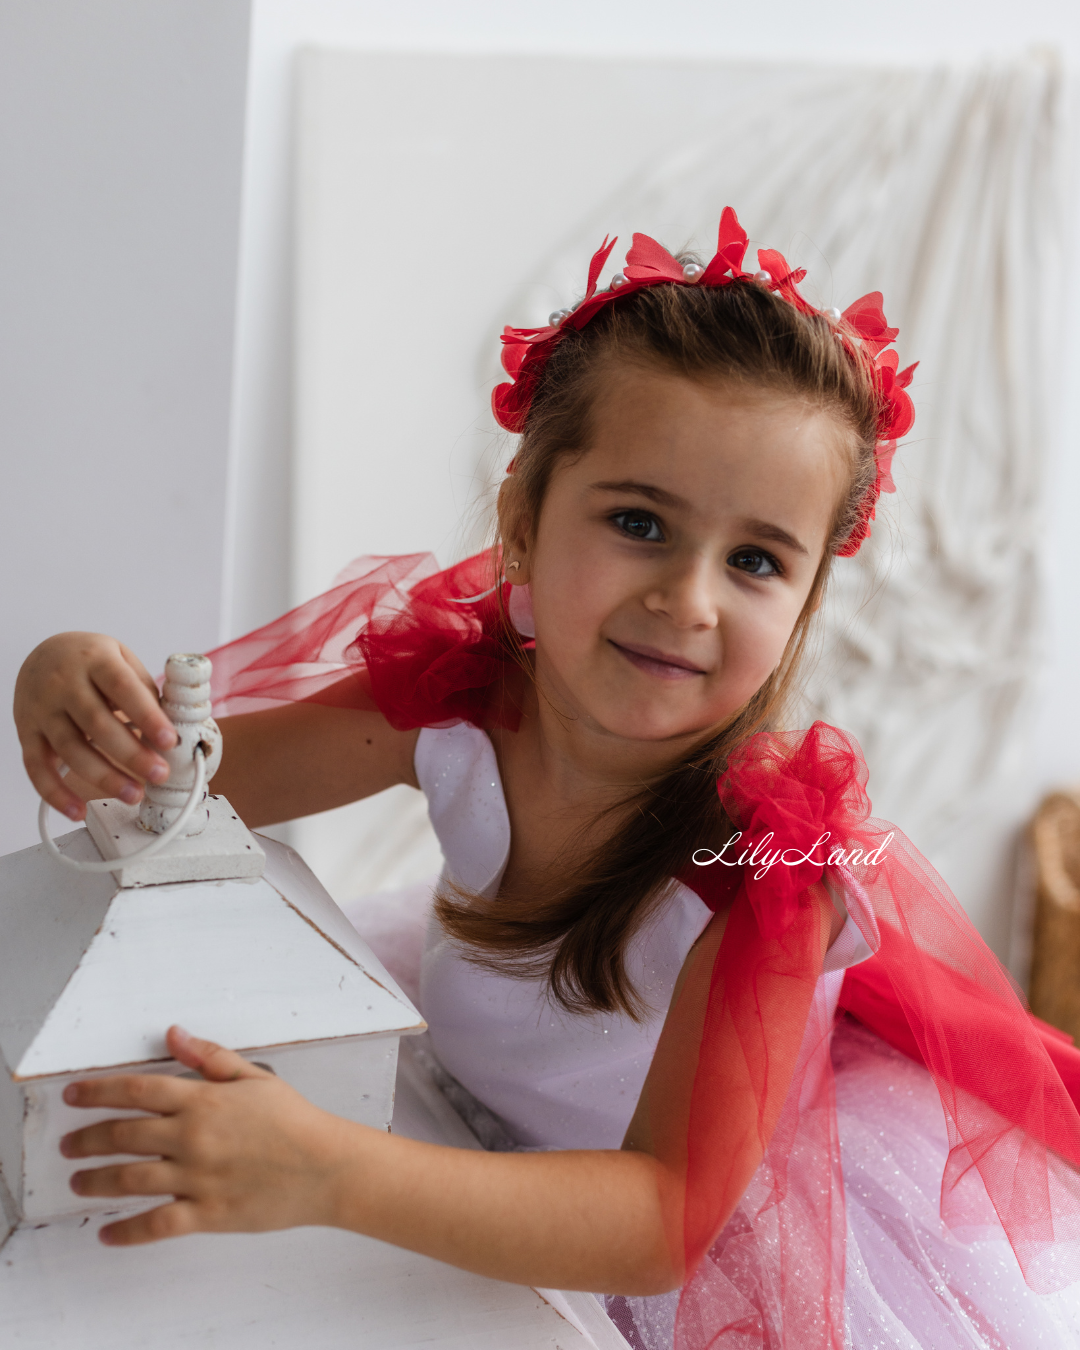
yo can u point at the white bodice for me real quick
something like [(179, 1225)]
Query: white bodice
[(555, 1078)]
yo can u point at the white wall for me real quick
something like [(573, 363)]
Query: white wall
[(121, 141)]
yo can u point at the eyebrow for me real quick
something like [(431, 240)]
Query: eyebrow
[(765, 530), (655, 494), (762, 529)]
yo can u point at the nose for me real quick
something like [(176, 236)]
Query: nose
[(687, 594)]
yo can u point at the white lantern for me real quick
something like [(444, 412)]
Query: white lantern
[(231, 936), (237, 941)]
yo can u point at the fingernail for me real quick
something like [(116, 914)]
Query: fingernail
[(73, 811), (76, 1183), (129, 793), (71, 1094), (166, 738), (183, 1035), (159, 773), (65, 1143), (105, 1235)]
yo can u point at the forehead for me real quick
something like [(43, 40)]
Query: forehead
[(714, 436)]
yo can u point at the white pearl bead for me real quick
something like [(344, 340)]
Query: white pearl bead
[(763, 277), (833, 314), (556, 318), (691, 271), (618, 280)]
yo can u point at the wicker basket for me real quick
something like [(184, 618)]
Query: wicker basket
[(1055, 963)]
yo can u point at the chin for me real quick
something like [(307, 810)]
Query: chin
[(651, 723)]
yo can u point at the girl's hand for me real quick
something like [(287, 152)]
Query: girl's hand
[(70, 696), (241, 1152)]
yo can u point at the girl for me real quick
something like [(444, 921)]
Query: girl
[(650, 897)]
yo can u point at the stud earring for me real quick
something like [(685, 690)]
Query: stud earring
[(483, 595)]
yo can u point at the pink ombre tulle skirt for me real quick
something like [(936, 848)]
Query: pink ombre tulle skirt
[(910, 1282)]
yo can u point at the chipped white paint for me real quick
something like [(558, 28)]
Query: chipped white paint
[(225, 847), (215, 844), (185, 697), (352, 1077), (92, 974)]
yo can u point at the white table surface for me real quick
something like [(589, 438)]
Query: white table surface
[(304, 1289)]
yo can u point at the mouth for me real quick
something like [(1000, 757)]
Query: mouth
[(655, 662)]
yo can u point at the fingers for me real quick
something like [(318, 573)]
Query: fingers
[(70, 698), (89, 709), (67, 741), (43, 768), (167, 1221), (134, 693), (151, 1135), (141, 1178), (133, 1092), (215, 1063)]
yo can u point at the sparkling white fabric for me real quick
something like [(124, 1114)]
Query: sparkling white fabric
[(554, 1079)]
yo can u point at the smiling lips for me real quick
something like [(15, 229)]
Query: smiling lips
[(658, 663)]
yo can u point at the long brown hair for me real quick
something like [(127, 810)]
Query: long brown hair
[(575, 927)]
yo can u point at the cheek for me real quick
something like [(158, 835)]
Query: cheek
[(576, 584), (755, 642)]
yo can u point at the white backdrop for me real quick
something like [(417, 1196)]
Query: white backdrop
[(426, 219)]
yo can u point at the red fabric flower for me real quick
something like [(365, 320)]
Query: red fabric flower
[(783, 278), (868, 320), (796, 797), (730, 251)]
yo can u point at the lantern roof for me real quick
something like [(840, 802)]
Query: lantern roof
[(92, 974)]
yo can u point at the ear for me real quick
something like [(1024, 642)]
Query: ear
[(515, 535)]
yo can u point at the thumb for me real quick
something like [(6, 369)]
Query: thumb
[(213, 1061)]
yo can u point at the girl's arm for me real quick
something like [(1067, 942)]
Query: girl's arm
[(245, 1152), (86, 700), (294, 761)]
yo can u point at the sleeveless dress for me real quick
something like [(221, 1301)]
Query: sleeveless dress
[(546, 1078)]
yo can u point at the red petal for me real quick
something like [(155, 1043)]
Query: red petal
[(513, 353), (899, 418), (867, 317), (884, 456), (648, 260), (599, 258), (904, 378), (732, 241), (776, 265), (504, 405)]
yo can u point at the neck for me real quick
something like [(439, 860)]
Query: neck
[(579, 759)]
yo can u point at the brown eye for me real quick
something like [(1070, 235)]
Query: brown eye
[(755, 562), (639, 525)]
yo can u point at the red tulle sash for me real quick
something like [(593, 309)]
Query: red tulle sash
[(774, 1274)]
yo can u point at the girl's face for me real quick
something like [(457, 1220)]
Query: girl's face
[(672, 559)]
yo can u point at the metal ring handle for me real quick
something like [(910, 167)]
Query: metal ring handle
[(155, 846)]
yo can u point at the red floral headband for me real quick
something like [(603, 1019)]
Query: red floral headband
[(862, 325)]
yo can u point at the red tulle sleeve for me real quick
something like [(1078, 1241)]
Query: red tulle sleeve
[(424, 647)]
